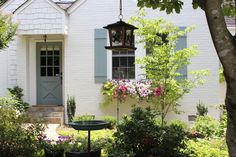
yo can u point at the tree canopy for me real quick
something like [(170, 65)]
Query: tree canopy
[(7, 30), (171, 6)]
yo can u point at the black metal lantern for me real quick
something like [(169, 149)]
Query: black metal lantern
[(121, 35)]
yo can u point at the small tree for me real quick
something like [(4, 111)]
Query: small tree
[(71, 106), (202, 110), (163, 64), (7, 30)]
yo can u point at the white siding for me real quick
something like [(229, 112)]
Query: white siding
[(8, 56), (3, 72), (40, 17)]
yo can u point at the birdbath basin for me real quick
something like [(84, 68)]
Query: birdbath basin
[(88, 126)]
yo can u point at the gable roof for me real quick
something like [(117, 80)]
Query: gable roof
[(51, 2), (63, 4)]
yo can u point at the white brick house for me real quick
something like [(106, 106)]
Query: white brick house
[(68, 65)]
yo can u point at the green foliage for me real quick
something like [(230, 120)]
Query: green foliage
[(7, 30), (81, 144), (206, 148), (202, 110), (71, 107), (100, 139), (163, 5), (139, 135), (162, 66), (221, 75), (111, 120), (16, 93), (2, 1), (207, 126), (84, 117), (176, 5), (17, 139)]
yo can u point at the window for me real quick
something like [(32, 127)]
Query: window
[(49, 61), (123, 65)]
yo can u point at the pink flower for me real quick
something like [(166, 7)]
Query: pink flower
[(158, 91)]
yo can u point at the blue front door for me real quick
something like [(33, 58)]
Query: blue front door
[(49, 73)]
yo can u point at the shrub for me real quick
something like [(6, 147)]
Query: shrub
[(111, 120), (202, 110), (16, 139), (16, 93), (206, 148), (71, 106), (141, 136), (84, 117), (207, 126), (99, 139)]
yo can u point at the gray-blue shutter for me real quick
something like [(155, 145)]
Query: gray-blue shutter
[(181, 44), (100, 63)]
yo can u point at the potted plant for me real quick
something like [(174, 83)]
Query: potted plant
[(54, 148), (79, 148)]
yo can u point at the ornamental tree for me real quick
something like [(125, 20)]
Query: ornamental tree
[(7, 30), (162, 66), (225, 45)]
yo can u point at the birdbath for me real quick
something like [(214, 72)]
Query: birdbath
[(88, 126)]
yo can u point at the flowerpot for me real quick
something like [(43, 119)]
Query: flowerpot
[(53, 153), (96, 153)]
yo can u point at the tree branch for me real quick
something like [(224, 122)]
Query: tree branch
[(222, 39), (200, 3)]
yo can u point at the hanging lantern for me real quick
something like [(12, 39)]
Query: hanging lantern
[(121, 35)]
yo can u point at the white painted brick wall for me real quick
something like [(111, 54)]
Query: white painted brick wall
[(79, 56), (79, 51)]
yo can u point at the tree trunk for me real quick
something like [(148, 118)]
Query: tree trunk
[(226, 49)]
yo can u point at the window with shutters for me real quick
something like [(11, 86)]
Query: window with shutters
[(123, 65)]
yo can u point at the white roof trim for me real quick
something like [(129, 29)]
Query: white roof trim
[(56, 6), (74, 6), (6, 4), (21, 8)]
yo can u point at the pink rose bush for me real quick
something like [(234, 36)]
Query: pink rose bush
[(121, 89)]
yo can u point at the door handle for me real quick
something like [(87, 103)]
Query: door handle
[(59, 75)]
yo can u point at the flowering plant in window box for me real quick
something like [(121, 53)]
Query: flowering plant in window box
[(121, 89)]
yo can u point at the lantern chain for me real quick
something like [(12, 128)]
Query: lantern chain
[(120, 16)]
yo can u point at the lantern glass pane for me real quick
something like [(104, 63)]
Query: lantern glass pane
[(128, 37), (116, 37)]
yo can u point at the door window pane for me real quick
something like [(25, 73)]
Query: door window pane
[(56, 71), (49, 61), (43, 61), (56, 60), (50, 71), (42, 52), (43, 71), (56, 53)]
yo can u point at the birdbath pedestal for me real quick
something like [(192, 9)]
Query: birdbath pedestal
[(88, 126)]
